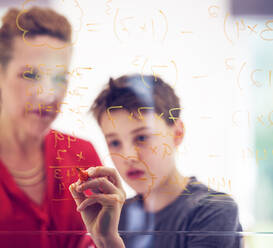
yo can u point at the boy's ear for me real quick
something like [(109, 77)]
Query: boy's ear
[(179, 132), (1, 75)]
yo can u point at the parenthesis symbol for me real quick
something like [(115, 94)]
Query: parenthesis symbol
[(166, 24), (81, 20), (239, 74), (225, 31), (115, 25)]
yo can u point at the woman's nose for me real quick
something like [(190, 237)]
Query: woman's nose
[(48, 92)]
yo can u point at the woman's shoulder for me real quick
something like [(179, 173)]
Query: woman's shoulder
[(68, 147), (60, 139)]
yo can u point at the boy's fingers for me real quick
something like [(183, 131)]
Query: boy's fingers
[(78, 197), (105, 200), (98, 185), (110, 173)]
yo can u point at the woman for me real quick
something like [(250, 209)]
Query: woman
[(36, 163)]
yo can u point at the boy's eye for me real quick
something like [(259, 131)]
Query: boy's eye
[(141, 138), (114, 143)]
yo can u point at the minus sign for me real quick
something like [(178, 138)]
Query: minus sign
[(214, 156), (206, 117), (200, 76), (186, 32)]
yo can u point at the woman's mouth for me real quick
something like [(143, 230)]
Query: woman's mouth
[(135, 174)]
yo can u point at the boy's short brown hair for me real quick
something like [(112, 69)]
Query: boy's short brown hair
[(38, 21), (135, 91)]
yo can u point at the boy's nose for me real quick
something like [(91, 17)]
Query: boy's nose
[(131, 153)]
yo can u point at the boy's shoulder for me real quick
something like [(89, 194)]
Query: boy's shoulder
[(198, 199), (195, 195), (197, 209), (196, 202), (206, 209), (200, 194)]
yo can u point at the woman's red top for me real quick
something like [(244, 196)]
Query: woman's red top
[(55, 223)]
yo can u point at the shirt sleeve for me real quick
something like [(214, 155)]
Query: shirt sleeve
[(215, 224)]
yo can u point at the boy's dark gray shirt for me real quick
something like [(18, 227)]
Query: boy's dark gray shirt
[(207, 219)]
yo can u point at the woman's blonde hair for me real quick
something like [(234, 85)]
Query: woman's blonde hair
[(38, 21)]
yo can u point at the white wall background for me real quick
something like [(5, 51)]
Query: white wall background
[(196, 46)]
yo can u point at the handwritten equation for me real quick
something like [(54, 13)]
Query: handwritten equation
[(157, 69), (140, 114), (235, 29), (35, 74), (257, 77), (130, 27), (243, 118), (258, 154)]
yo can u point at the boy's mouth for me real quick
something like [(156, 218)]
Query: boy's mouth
[(135, 173)]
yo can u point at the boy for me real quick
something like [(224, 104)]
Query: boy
[(139, 116)]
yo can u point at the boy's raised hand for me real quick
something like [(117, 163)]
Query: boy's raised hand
[(101, 210)]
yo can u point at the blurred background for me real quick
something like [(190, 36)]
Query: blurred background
[(217, 55)]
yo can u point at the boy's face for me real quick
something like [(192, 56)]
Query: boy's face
[(142, 150)]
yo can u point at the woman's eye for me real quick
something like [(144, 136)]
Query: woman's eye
[(60, 78), (114, 143), (30, 76)]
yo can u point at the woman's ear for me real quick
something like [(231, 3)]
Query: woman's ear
[(2, 73), (179, 132)]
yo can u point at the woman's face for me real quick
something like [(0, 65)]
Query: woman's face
[(33, 84)]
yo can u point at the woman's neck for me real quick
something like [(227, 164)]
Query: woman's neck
[(15, 142), (166, 192)]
